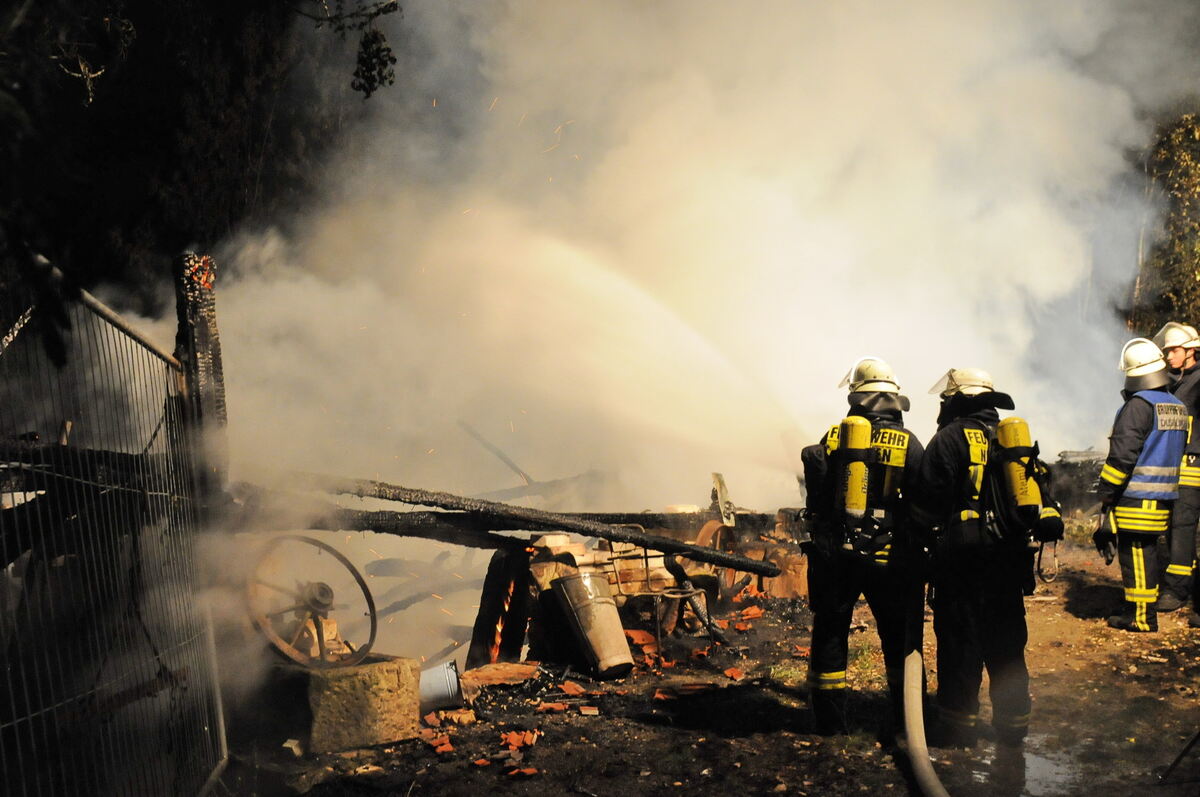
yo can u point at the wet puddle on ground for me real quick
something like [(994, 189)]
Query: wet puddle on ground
[(1032, 772)]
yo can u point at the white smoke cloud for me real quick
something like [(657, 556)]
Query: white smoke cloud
[(650, 238)]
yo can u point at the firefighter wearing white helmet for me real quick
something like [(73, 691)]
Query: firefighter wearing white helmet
[(859, 477), (1139, 482), (982, 560), (1178, 343), (1178, 585)]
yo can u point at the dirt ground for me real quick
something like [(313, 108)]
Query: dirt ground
[(1111, 711)]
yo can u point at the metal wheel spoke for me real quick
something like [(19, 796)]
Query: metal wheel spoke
[(299, 630), (282, 612), (291, 593), (322, 653)]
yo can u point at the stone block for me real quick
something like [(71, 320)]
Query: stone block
[(365, 705)]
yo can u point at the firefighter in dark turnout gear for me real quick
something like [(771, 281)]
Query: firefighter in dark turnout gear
[(982, 557), (860, 551), (1140, 480), (1179, 343)]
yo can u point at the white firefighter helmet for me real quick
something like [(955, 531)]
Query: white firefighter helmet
[(1143, 364), (1175, 334), (967, 381), (870, 375)]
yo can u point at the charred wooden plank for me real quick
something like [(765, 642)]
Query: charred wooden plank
[(504, 516)]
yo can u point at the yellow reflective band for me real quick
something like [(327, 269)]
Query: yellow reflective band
[(1134, 595), (1050, 512), (1179, 570), (828, 680), (1112, 475), (968, 514), (1129, 511), (1019, 721), (830, 676), (1139, 568), (958, 717), (1141, 616), (1136, 524)]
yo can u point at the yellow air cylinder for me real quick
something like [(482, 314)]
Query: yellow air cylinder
[(855, 438), (1014, 433)]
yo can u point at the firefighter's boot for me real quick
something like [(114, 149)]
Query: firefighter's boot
[(1140, 616), (829, 711)]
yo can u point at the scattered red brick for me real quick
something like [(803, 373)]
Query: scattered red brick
[(802, 651), (482, 762), (432, 719), (589, 711), (523, 772), (441, 744), (515, 740), (664, 694), (751, 612), (571, 688), (428, 733), (722, 624), (550, 708), (700, 653), (639, 637), (743, 627), (735, 674)]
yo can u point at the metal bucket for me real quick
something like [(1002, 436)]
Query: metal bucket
[(589, 604), (440, 687)]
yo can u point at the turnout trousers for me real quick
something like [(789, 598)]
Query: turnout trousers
[(1177, 576), (979, 620), (835, 582), (1138, 557), (1138, 524)]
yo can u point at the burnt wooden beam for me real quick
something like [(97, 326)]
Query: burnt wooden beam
[(504, 516)]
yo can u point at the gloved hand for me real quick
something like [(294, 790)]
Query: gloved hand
[(1049, 528), (1106, 543)]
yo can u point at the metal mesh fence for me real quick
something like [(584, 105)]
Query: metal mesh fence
[(106, 670)]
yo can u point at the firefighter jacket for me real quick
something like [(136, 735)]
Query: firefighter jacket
[(1145, 449), (892, 472), (957, 487), (1186, 387), (951, 479)]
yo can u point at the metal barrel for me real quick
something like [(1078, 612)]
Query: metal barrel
[(589, 604)]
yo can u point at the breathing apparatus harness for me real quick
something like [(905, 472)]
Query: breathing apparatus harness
[(864, 455)]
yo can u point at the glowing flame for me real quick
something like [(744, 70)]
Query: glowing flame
[(494, 651)]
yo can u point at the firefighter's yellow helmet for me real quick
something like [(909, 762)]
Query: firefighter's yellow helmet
[(870, 375), (1175, 334), (1143, 364)]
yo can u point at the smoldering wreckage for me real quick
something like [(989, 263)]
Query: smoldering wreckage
[(645, 652)]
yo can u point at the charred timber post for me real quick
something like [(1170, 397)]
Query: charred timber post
[(198, 350), (533, 519)]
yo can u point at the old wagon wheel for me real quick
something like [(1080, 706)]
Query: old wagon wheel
[(291, 601), (720, 537)]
